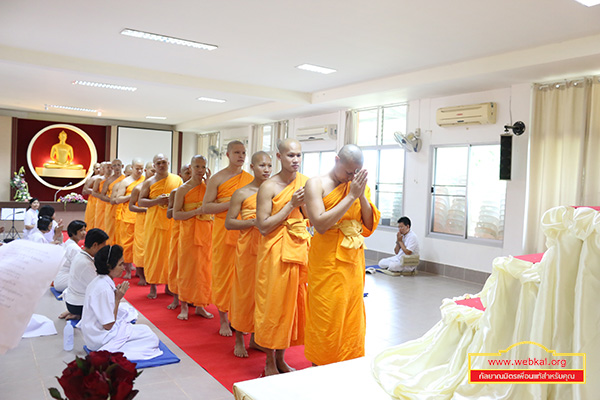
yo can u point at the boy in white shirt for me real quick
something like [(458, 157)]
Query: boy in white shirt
[(406, 244)]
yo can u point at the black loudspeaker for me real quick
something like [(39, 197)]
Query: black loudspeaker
[(505, 157)]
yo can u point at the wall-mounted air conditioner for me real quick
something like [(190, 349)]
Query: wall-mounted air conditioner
[(323, 132), (484, 113)]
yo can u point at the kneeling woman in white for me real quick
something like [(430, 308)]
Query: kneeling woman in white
[(105, 324)]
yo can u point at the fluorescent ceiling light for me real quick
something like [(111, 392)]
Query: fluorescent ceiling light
[(211, 100), (71, 108), (589, 3), (316, 68), (152, 117), (168, 39), (105, 86)]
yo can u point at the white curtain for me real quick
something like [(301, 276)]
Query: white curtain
[(280, 132), (256, 139), (208, 146), (350, 128), (564, 168)]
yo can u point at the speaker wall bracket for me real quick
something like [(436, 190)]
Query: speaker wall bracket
[(518, 128)]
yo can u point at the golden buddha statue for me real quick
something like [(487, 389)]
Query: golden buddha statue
[(61, 154)]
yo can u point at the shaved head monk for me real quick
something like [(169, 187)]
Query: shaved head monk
[(282, 257), (97, 192), (340, 209), (195, 239), (243, 204), (140, 222), (157, 233), (88, 188), (185, 174), (110, 212), (125, 217), (128, 170), (219, 190)]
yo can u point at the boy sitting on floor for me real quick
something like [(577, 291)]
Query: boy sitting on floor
[(406, 245)]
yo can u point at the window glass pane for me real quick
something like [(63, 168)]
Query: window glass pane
[(449, 202), (310, 164), (391, 165), (267, 137), (327, 162), (390, 204), (394, 120), (487, 193), (367, 128), (370, 164)]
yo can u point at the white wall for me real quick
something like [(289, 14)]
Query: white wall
[(5, 157), (418, 177), (189, 146)]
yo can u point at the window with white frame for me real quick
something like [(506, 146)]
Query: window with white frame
[(467, 196), (317, 162), (384, 159)]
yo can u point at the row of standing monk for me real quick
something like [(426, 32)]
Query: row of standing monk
[(243, 243)]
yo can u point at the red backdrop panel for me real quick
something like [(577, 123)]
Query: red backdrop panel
[(27, 129)]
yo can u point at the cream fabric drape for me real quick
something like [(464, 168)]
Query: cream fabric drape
[(280, 132), (564, 168), (256, 139), (205, 143), (350, 128), (552, 303)]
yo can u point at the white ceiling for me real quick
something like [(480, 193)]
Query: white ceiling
[(384, 52)]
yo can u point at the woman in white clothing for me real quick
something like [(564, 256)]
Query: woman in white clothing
[(76, 231), (106, 324), (42, 227), (31, 217)]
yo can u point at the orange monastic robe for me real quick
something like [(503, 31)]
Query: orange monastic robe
[(280, 292), (224, 243), (90, 212), (335, 311), (100, 208), (127, 225), (110, 213), (173, 255), (241, 313), (138, 239), (194, 258), (157, 232)]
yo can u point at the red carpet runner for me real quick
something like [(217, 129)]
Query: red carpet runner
[(199, 338)]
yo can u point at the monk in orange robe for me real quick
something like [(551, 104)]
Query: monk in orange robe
[(219, 189), (110, 211), (172, 284), (140, 222), (195, 239), (157, 233), (88, 188), (97, 193), (125, 217), (340, 209), (243, 203), (280, 291)]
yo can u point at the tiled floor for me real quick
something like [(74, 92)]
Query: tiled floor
[(398, 309)]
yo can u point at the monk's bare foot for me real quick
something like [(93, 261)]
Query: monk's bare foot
[(167, 291), (183, 315), (152, 295), (142, 282), (271, 365), (201, 311), (174, 304), (64, 315), (127, 275), (140, 272), (254, 345), (240, 347), (282, 366), (225, 329), (72, 316)]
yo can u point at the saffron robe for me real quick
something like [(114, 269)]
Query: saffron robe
[(224, 243), (157, 233), (280, 292), (100, 208), (90, 212), (195, 252), (241, 313), (335, 312), (110, 213), (173, 253), (138, 239), (127, 224)]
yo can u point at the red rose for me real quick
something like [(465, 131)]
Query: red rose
[(99, 359), (72, 383), (125, 371), (95, 386), (123, 389)]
